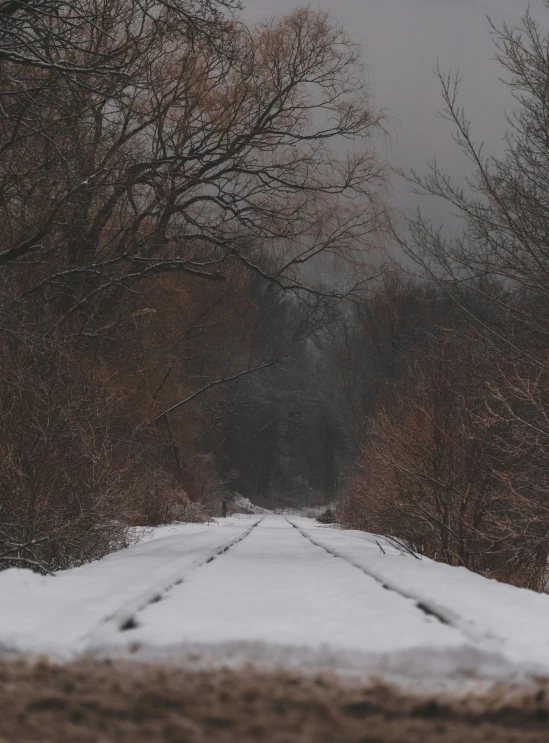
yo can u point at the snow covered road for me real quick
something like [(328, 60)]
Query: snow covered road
[(276, 590)]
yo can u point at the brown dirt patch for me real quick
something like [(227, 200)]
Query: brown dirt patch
[(104, 703)]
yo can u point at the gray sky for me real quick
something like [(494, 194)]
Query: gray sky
[(402, 41)]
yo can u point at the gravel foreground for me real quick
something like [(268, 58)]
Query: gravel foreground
[(108, 702)]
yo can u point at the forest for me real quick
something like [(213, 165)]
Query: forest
[(205, 291)]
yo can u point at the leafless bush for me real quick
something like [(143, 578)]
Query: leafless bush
[(434, 473), (65, 484), (189, 512)]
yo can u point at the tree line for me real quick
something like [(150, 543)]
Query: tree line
[(195, 297), (158, 162)]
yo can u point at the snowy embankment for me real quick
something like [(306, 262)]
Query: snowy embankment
[(276, 590), (60, 615)]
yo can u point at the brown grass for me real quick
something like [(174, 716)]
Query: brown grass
[(130, 703)]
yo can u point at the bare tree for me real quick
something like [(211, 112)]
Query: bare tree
[(55, 35), (496, 272), (500, 259), (202, 158)]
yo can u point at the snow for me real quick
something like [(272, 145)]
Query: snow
[(240, 504), (277, 590), (511, 620), (57, 615), (275, 585)]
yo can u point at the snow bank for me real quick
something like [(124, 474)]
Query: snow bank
[(422, 669), (512, 621), (59, 615)]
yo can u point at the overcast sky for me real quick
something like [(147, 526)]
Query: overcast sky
[(402, 41)]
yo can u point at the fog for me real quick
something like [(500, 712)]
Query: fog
[(403, 40)]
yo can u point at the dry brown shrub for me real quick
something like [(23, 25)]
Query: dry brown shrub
[(432, 473)]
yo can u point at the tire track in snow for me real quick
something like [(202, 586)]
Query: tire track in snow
[(124, 619), (426, 606)]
